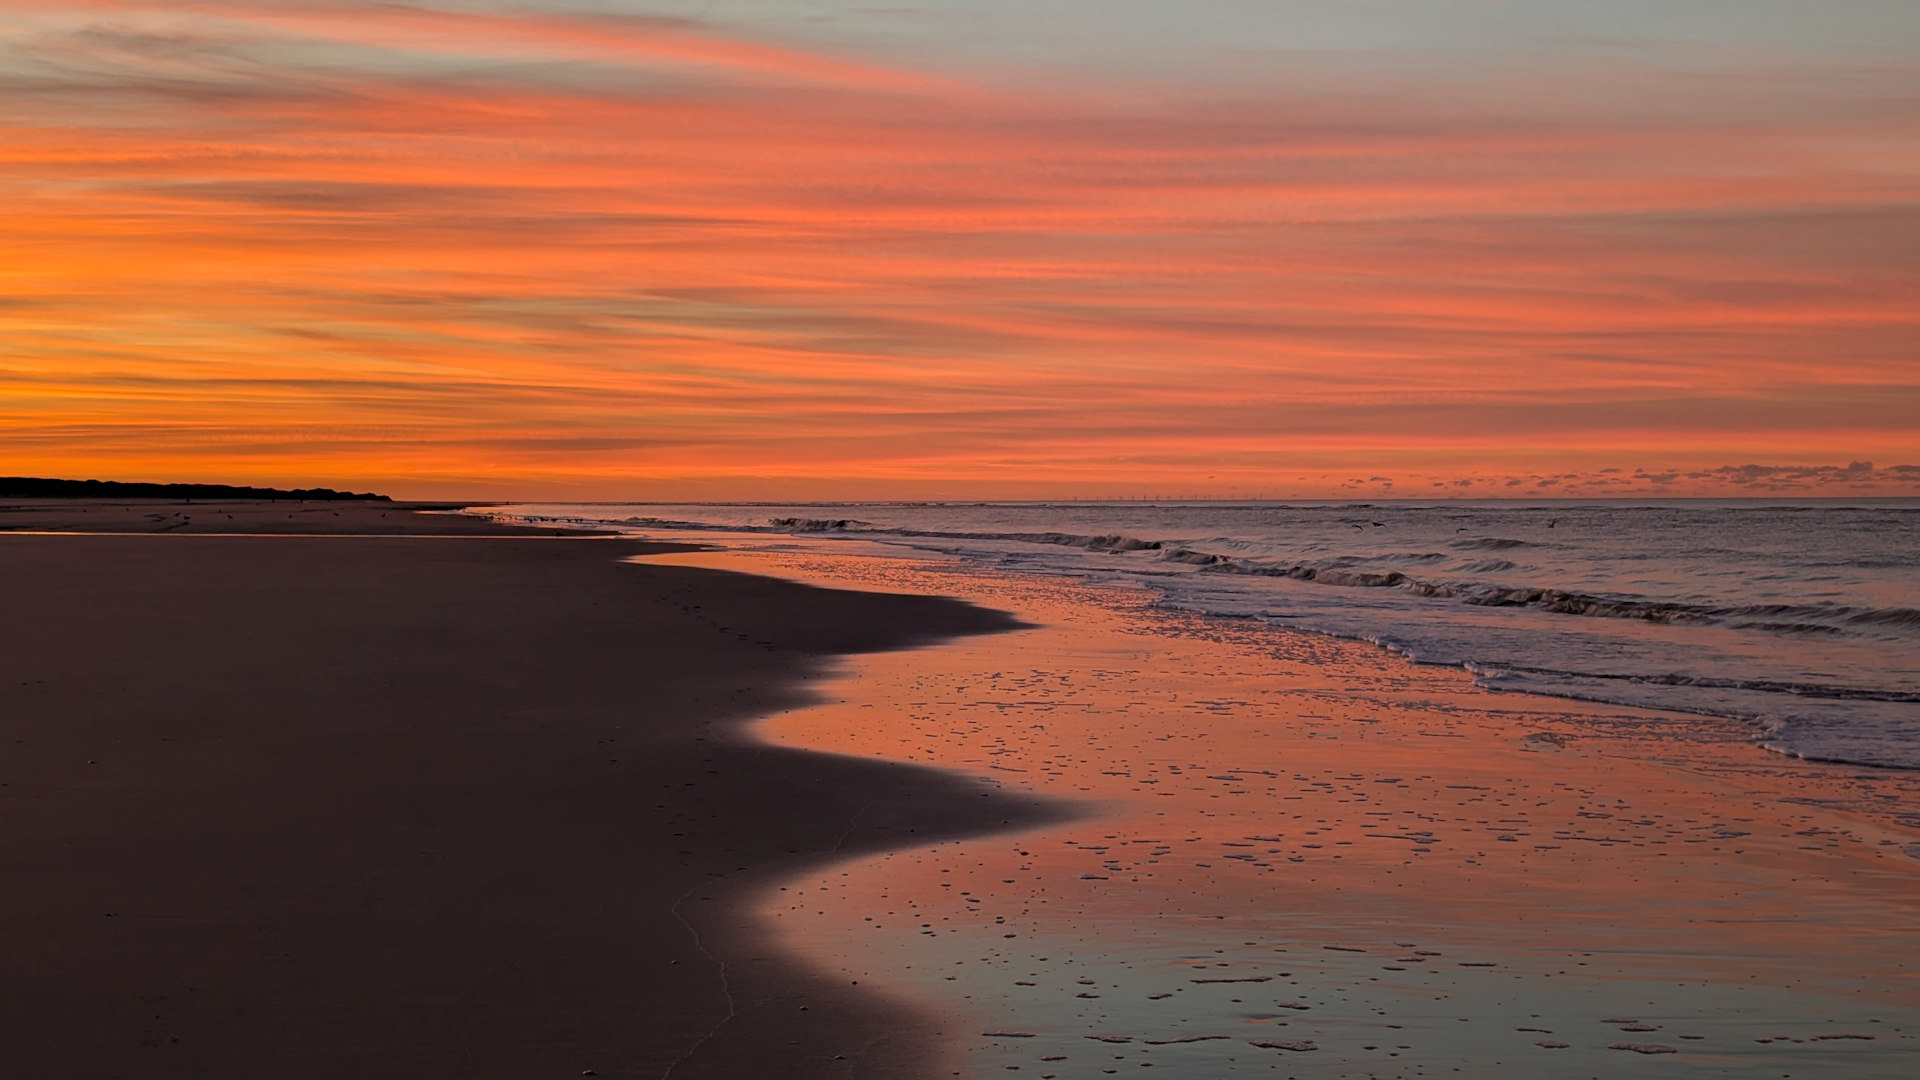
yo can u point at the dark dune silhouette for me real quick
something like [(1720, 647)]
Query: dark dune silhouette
[(34, 487)]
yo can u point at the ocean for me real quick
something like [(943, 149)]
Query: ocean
[(1799, 618)]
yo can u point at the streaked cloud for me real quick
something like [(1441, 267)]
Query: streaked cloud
[(591, 252)]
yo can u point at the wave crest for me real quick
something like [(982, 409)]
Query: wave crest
[(1491, 543), (805, 525)]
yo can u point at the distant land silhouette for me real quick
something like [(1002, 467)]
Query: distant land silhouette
[(29, 487)]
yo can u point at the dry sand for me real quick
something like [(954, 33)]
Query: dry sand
[(425, 805)]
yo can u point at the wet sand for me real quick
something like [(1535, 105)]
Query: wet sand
[(1306, 856), (464, 804)]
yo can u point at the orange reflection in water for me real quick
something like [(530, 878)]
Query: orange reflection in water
[(1364, 864)]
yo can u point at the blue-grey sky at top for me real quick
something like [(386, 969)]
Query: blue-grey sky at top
[(1168, 34)]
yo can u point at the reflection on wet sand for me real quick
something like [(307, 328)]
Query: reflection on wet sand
[(1303, 854)]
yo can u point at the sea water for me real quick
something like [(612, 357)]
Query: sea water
[(1799, 618)]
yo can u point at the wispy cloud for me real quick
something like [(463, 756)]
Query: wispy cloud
[(371, 240)]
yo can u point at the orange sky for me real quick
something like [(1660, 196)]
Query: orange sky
[(566, 253)]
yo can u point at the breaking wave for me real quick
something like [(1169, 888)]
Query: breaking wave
[(1490, 543), (1828, 691), (1343, 572), (808, 525)]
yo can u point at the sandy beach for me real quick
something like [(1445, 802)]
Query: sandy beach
[(396, 793), (444, 802)]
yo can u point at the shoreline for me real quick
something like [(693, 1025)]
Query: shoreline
[(325, 805), (790, 911), (1741, 911), (1626, 608)]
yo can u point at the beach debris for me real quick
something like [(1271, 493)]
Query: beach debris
[(1111, 1038), (1248, 979), (1640, 1027), (1185, 1039), (1552, 1045), (1297, 1045), (1842, 1035), (1341, 948), (1007, 1034), (1644, 1048)]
